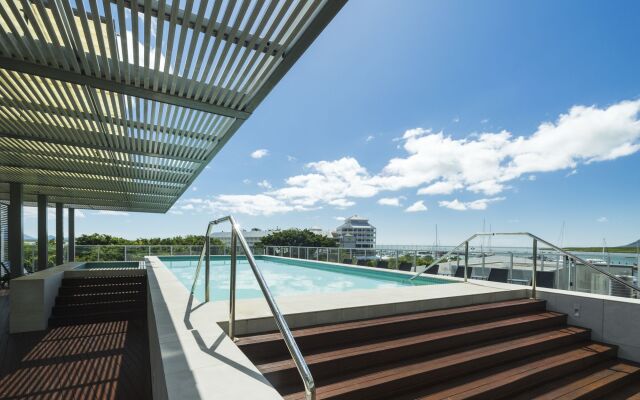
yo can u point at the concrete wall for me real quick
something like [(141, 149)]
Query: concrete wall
[(33, 297), (612, 320)]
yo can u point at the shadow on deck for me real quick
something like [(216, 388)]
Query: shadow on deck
[(93, 360)]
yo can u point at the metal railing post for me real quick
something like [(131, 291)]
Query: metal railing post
[(98, 253), (125, 253), (207, 264), (535, 268), (510, 266), (466, 259), (232, 286)]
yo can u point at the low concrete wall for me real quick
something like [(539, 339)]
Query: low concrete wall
[(613, 320), (33, 297)]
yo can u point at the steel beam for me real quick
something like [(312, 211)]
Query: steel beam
[(16, 226), (59, 234), (72, 234), (43, 236)]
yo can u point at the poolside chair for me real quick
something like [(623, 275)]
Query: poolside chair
[(433, 270), (347, 261), (405, 266), (363, 263), (382, 264), (4, 279), (545, 279), (498, 275), (460, 272)]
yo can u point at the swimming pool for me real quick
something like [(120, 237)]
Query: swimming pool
[(286, 277)]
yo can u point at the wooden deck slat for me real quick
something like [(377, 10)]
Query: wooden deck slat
[(348, 359), (103, 360), (429, 369)]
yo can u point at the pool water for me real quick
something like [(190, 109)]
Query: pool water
[(286, 277)]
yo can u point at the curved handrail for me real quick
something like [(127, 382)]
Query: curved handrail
[(536, 238), (283, 327)]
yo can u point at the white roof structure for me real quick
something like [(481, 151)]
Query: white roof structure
[(120, 104)]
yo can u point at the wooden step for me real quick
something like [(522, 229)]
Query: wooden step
[(343, 360), (389, 380), (269, 346), (87, 308), (593, 383), (95, 288), (137, 313), (509, 379), (88, 298), (629, 392), (102, 280)]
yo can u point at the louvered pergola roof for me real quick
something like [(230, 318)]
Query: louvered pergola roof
[(120, 104)]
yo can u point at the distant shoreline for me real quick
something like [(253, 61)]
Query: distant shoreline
[(599, 249)]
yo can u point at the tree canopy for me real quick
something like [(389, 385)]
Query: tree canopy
[(297, 237), (104, 239)]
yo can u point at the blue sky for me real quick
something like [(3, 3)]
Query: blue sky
[(396, 96)]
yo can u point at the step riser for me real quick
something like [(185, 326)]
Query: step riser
[(78, 310), (415, 382), (102, 281), (99, 289), (80, 300), (604, 391), (516, 386), (272, 349), (345, 365), (73, 320)]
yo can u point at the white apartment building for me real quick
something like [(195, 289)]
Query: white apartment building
[(356, 232)]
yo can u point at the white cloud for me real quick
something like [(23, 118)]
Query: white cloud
[(79, 214), (246, 181), (265, 184), (480, 204), (260, 153), (391, 201), (441, 187), (369, 138), (437, 164), (484, 121), (602, 219), (417, 207), (195, 188), (571, 173), (291, 158), (109, 212), (456, 120), (339, 218)]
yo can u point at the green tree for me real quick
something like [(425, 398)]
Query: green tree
[(106, 240), (297, 237)]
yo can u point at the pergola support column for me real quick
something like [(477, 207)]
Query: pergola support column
[(59, 234), (43, 236), (16, 228), (72, 235)]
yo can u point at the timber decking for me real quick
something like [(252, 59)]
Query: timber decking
[(512, 349), (93, 360)]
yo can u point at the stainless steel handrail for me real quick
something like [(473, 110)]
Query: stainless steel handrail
[(536, 239), (283, 327)]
